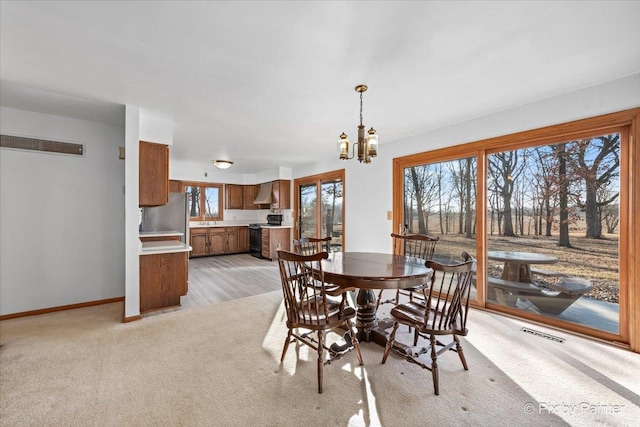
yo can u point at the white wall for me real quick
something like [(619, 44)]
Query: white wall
[(132, 236), (61, 217), (368, 188), (154, 129)]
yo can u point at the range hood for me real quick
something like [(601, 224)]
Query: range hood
[(264, 195)]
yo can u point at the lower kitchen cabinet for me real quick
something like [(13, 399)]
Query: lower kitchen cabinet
[(273, 239), (207, 241), (163, 280), (199, 241), (243, 239)]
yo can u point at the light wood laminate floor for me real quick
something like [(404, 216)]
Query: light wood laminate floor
[(221, 278)]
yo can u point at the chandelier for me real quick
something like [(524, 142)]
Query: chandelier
[(367, 146)]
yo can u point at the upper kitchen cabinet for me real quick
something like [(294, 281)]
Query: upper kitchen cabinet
[(154, 174), (249, 195), (235, 196), (281, 194), (175, 186)]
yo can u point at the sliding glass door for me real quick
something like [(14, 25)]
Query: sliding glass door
[(319, 207), (547, 215)]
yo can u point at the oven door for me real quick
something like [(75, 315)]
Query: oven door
[(255, 241)]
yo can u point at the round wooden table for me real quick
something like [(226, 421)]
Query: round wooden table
[(369, 271), (517, 264)]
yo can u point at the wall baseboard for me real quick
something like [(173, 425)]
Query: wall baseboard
[(60, 308)]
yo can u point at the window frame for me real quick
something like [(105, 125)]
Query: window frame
[(203, 186), (627, 123)]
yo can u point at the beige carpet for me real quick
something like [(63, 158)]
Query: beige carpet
[(218, 366)]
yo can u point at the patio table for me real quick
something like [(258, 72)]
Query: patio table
[(517, 265)]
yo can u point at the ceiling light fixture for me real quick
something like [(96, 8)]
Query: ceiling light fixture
[(367, 146), (222, 164)]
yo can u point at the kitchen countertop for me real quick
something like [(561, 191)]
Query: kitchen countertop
[(166, 233), (237, 225), (163, 247)]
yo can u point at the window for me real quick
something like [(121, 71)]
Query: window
[(559, 200), (205, 201), (319, 207), (440, 201)]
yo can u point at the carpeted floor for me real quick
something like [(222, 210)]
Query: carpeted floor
[(219, 366)]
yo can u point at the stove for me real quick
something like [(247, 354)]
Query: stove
[(255, 233)]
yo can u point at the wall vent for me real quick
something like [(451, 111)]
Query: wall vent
[(33, 144), (543, 335)]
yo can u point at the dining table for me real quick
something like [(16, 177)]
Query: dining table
[(368, 272), (517, 265)]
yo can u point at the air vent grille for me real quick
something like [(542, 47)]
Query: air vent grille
[(33, 144), (543, 335)]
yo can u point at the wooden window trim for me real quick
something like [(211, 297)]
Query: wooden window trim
[(627, 123), (202, 186)]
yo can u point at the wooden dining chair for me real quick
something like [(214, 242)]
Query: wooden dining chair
[(314, 307), (442, 313), (311, 245), (412, 245)]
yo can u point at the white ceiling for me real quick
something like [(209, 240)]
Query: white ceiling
[(269, 84)]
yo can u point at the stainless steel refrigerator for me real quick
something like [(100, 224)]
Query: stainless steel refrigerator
[(173, 216)]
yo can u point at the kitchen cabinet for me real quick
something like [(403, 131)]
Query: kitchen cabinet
[(274, 238), (235, 196), (153, 174), (249, 195), (163, 279), (242, 196), (223, 240), (281, 194), (199, 241), (217, 241), (243, 239), (232, 240), (207, 241), (175, 186)]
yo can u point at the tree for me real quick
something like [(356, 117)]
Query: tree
[(457, 170), (546, 176), (467, 204), (195, 201), (420, 184), (563, 197), (597, 162), (505, 168)]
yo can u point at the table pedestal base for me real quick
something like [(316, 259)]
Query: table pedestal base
[(370, 329)]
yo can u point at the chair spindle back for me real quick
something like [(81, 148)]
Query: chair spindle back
[(303, 288), (414, 245), (448, 296), (311, 245)]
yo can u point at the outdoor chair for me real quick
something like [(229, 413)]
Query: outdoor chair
[(442, 313), (310, 305), (411, 245)]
